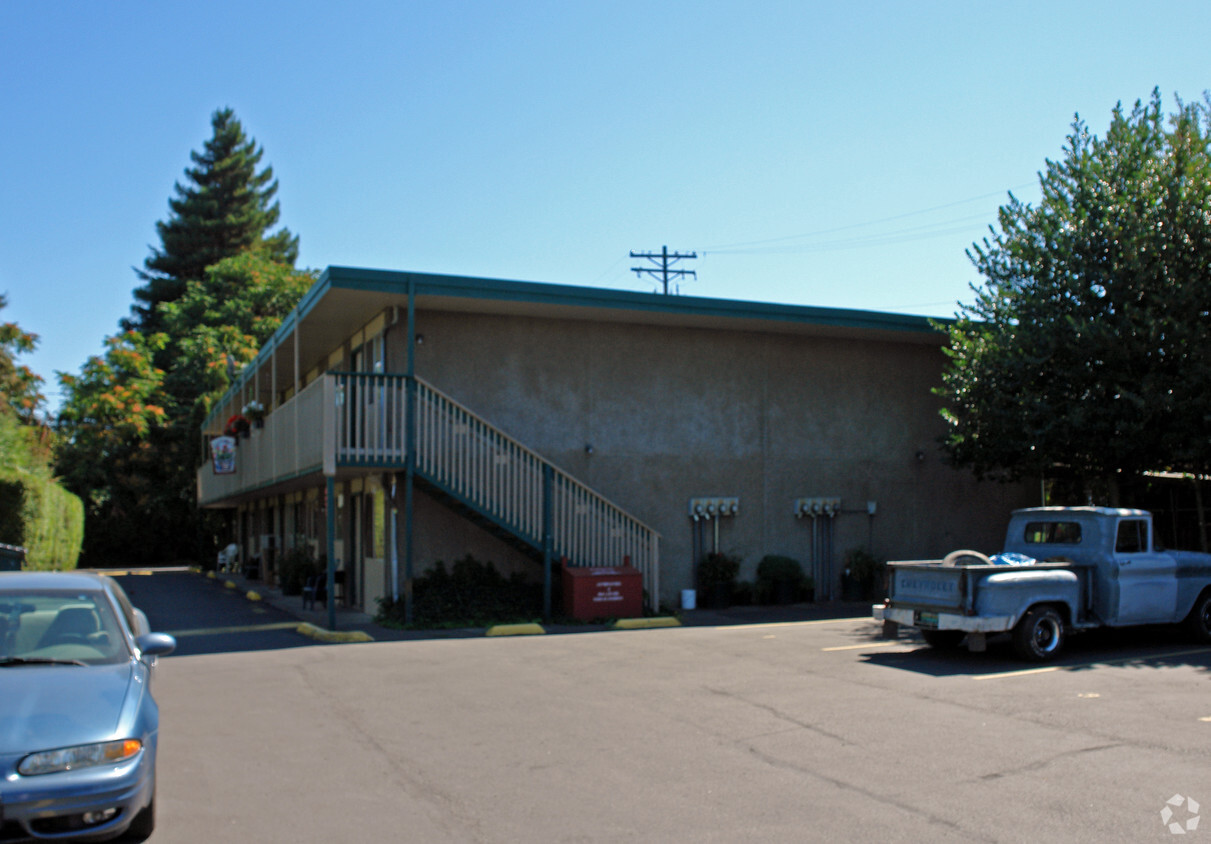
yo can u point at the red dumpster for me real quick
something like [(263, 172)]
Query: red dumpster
[(602, 592)]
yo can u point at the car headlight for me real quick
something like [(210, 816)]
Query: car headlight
[(82, 756)]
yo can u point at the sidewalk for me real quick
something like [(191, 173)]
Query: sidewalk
[(350, 620)]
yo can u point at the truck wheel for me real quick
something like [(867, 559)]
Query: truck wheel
[(1198, 622), (943, 639), (1039, 636)]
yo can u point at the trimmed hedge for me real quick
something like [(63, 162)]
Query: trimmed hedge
[(44, 518)]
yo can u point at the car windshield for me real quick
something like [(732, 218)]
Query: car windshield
[(59, 626)]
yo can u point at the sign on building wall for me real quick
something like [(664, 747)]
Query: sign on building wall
[(222, 451)]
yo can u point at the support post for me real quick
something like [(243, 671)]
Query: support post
[(330, 512), (409, 450), (548, 513)]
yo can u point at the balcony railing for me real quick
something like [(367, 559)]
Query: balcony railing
[(360, 420)]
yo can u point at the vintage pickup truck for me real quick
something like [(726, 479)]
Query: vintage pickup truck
[(1063, 569)]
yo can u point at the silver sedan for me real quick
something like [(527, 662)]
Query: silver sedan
[(78, 723)]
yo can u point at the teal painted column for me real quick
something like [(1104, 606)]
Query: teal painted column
[(548, 509), (330, 507), (409, 449)]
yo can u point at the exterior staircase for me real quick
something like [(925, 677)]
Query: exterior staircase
[(486, 475)]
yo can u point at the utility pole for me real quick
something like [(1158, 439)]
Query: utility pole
[(664, 262)]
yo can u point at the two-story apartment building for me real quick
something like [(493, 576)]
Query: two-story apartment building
[(414, 418)]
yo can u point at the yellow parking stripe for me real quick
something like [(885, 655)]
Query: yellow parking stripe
[(250, 628)]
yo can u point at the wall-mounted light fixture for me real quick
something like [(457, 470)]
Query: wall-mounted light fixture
[(588, 448), (420, 339)]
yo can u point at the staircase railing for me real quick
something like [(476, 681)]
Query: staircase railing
[(490, 472)]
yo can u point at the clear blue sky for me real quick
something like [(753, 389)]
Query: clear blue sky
[(833, 154)]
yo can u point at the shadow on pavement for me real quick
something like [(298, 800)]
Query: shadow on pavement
[(214, 613), (1153, 647)]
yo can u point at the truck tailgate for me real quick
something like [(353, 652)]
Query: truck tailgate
[(930, 585)]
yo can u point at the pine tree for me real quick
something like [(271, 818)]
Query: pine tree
[(224, 209)]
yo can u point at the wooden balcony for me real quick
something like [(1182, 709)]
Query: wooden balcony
[(346, 421)]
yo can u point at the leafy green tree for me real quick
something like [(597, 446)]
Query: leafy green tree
[(113, 427), (132, 445), (231, 314), (225, 208), (20, 388), (1081, 357), (218, 286)]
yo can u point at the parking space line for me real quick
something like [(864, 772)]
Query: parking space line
[(867, 645), (787, 624), (248, 628), (1022, 672)]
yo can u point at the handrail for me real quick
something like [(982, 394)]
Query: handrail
[(489, 471)]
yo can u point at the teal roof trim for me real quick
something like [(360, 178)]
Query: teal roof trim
[(388, 281), (395, 282)]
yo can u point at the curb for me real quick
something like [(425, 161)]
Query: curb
[(515, 630), (645, 623), (322, 635)]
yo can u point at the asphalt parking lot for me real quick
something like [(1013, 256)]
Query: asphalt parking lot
[(813, 730)]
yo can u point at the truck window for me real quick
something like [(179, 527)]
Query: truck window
[(1132, 537), (1053, 533)]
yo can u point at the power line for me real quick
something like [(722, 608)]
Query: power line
[(766, 243)]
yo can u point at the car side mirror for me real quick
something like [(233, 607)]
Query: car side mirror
[(156, 644)]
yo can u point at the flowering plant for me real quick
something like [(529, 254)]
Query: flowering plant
[(254, 410), (236, 425)]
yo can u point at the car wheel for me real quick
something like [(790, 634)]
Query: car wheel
[(943, 639), (143, 825), (1198, 622), (1039, 636)]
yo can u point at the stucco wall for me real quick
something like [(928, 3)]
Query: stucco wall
[(672, 413)]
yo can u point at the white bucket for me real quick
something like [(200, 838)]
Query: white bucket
[(689, 599)]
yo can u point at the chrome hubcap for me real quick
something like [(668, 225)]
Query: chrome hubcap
[(1046, 635)]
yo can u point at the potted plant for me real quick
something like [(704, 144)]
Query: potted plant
[(255, 411), (237, 426), (717, 578), (779, 579)]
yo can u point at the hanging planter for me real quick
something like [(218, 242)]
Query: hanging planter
[(255, 411), (237, 426)]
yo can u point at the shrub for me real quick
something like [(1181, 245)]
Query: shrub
[(718, 569), (42, 517), (470, 594), (744, 593), (866, 570), (294, 567), (779, 577)]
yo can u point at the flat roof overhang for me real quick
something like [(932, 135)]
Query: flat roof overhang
[(345, 299)]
